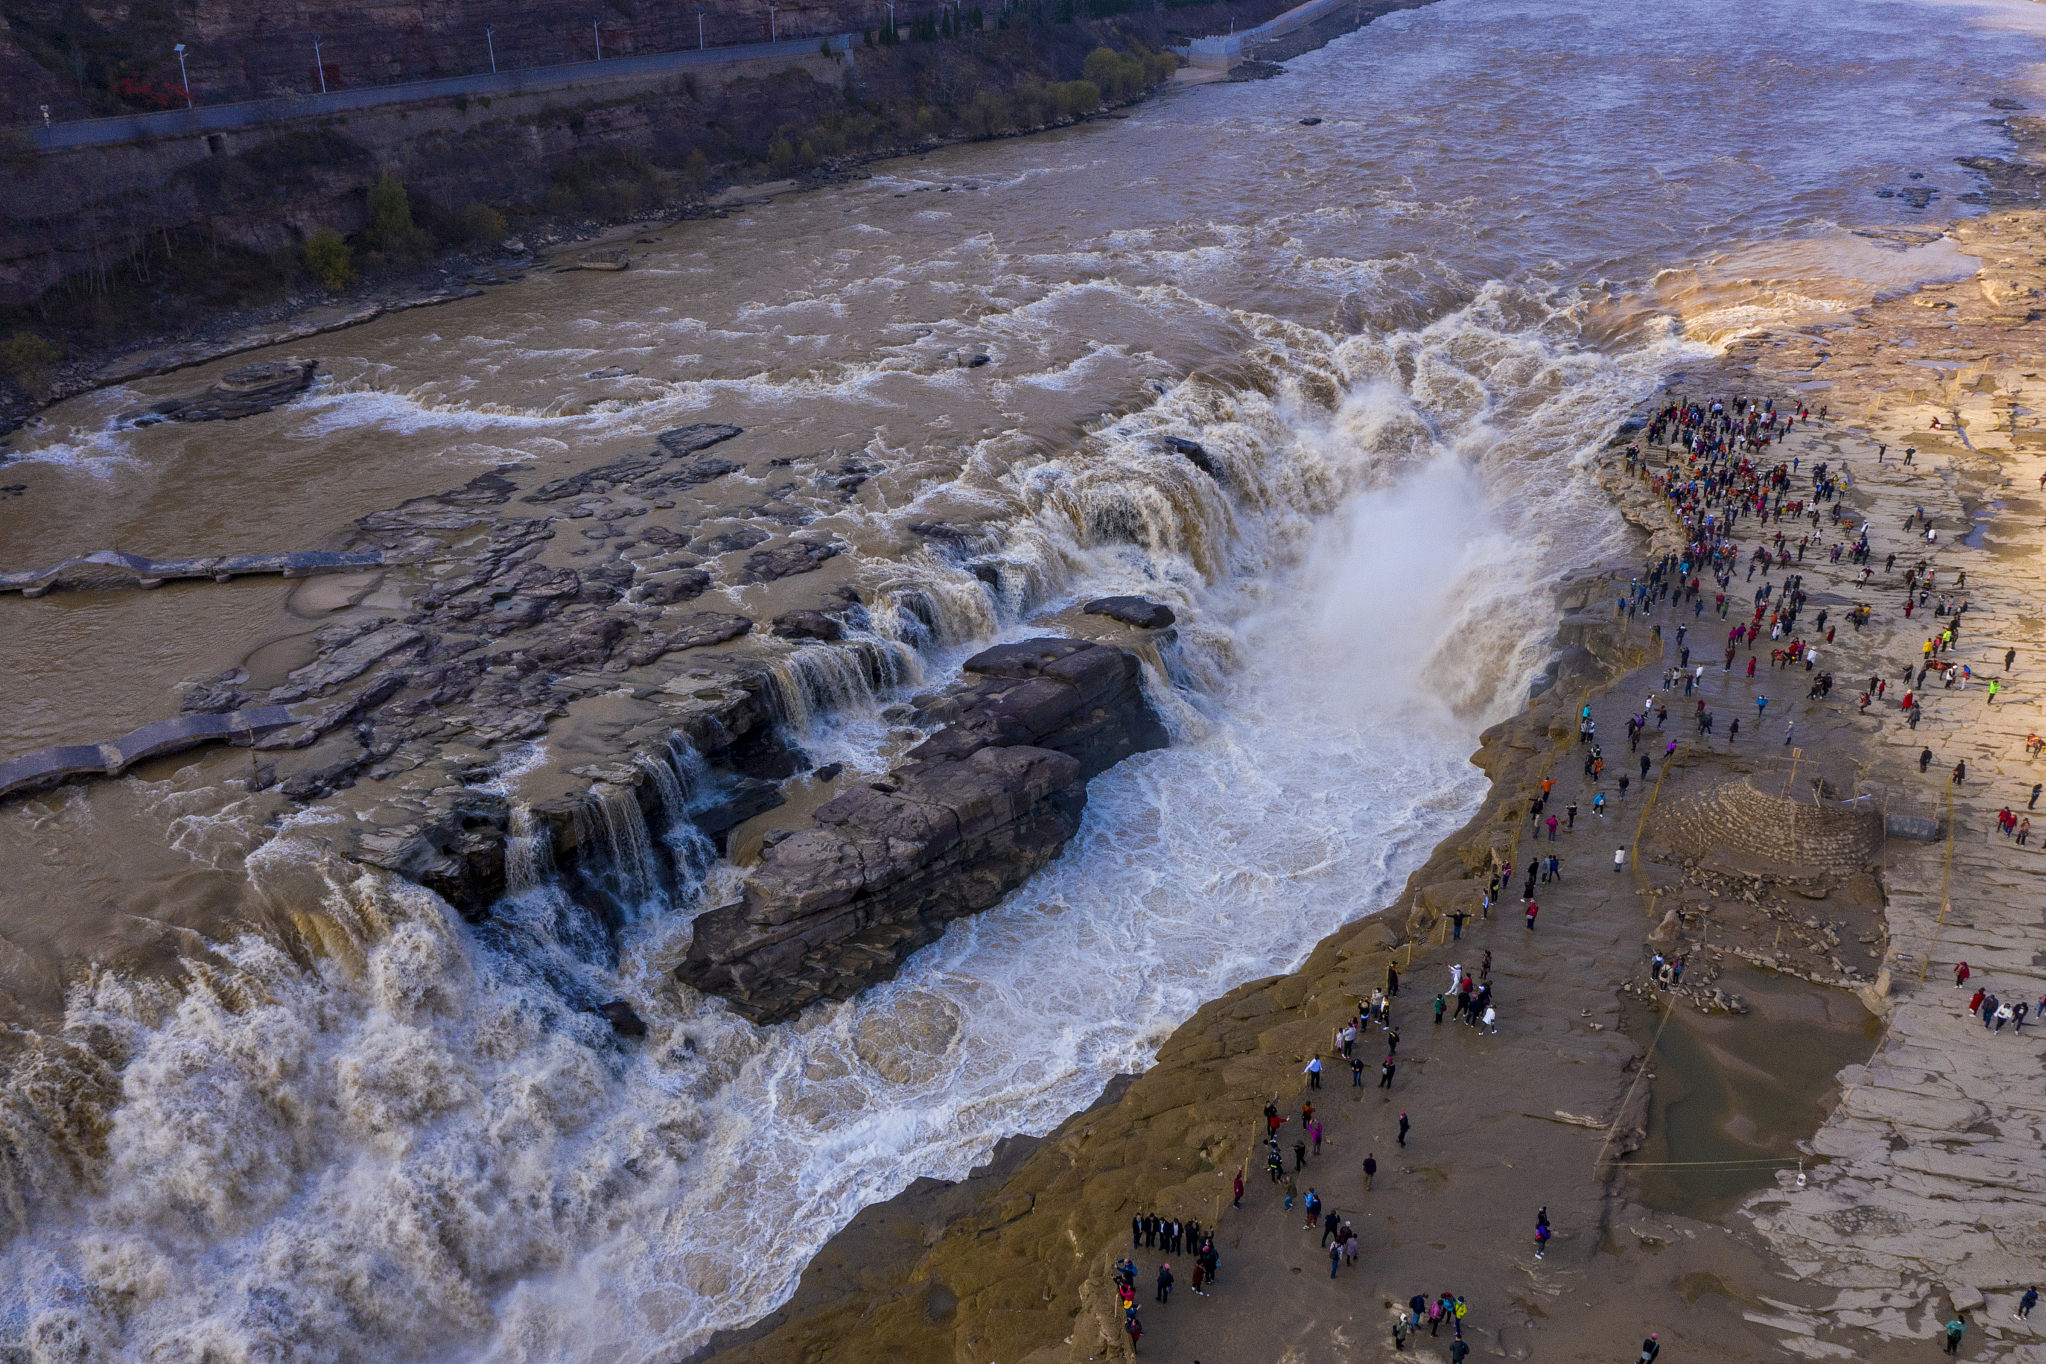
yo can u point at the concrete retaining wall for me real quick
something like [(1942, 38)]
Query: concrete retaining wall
[(1227, 50)]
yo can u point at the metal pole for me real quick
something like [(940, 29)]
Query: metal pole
[(490, 37), (772, 36), (183, 79), (699, 28), (599, 32), (317, 62)]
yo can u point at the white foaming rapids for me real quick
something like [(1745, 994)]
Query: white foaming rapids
[(420, 1151)]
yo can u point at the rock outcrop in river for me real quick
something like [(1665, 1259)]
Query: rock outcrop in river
[(970, 813)]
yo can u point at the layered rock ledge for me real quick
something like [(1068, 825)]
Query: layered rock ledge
[(965, 818)]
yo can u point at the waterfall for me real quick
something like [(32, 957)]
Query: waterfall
[(949, 607), (691, 771), (635, 871), (667, 783), (815, 680), (528, 852)]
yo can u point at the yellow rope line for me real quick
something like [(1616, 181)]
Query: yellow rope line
[(1613, 1127)]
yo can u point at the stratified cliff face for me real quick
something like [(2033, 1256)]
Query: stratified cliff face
[(966, 818)]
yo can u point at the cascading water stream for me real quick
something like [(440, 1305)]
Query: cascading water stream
[(629, 860), (528, 852), (430, 1150)]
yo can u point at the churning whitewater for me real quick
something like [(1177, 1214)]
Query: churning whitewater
[(381, 1133)]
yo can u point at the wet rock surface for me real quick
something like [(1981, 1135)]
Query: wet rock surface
[(239, 393), (1138, 611), (968, 815)]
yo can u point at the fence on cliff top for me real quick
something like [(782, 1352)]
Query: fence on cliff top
[(208, 118)]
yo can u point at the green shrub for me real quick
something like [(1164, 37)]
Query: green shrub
[(26, 359), (1120, 75), (391, 230), (697, 168), (484, 225), (780, 154), (390, 212), (328, 258), (987, 115), (1069, 99)]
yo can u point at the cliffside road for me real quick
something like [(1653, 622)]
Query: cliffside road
[(249, 113)]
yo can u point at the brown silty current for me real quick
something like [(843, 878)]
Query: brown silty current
[(1393, 333)]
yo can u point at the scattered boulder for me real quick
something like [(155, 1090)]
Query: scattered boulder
[(687, 585), (687, 440), (1141, 612), (746, 537), (238, 393), (699, 631), (786, 560), (624, 1020), (660, 537), (1309, 122), (807, 625), (1198, 455)]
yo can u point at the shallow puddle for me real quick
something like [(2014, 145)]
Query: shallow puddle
[(1734, 1095)]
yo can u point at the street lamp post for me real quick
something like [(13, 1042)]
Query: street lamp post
[(893, 32), (490, 37), (320, 64), (772, 36), (595, 27), (183, 79), (699, 28)]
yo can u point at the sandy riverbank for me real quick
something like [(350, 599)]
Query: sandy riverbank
[(1917, 1187)]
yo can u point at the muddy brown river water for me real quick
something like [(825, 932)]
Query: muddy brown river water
[(1399, 330)]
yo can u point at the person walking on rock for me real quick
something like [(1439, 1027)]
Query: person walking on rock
[(1619, 859), (1399, 1331), (1370, 1173), (1313, 1072), (1650, 1348), (1955, 1330), (1960, 974), (1532, 910), (1385, 1074), (1404, 1125), (2031, 1298), (1165, 1283)]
